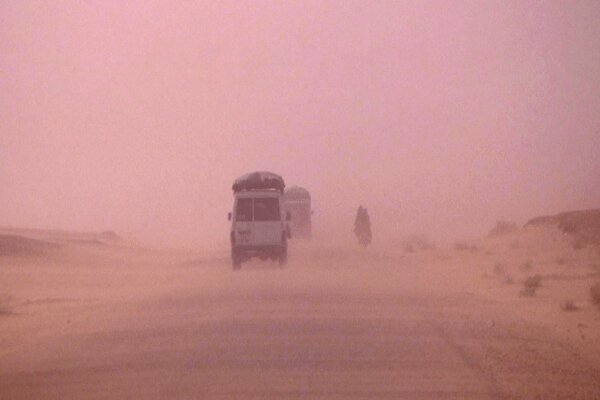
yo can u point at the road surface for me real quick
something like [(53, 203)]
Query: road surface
[(333, 324)]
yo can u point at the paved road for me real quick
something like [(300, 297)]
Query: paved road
[(322, 329)]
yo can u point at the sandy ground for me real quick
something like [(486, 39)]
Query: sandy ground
[(95, 319)]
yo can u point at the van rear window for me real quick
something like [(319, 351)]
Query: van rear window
[(266, 209), (244, 210)]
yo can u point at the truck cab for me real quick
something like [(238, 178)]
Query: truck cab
[(297, 203)]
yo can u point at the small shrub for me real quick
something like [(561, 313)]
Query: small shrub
[(414, 243), (561, 260), (568, 305), (503, 228), (463, 246), (499, 269), (595, 294), (5, 307), (531, 284), (568, 226), (460, 246), (526, 266), (508, 280), (579, 244), (533, 281)]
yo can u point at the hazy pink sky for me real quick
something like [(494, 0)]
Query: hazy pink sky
[(441, 117)]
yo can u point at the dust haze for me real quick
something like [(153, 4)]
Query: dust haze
[(440, 118), (469, 130)]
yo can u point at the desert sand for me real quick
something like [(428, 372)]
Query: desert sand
[(99, 317)]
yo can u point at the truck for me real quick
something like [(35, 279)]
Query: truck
[(259, 222), (298, 203)]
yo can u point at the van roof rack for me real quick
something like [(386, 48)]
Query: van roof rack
[(259, 180)]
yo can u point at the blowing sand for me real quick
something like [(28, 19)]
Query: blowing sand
[(89, 316)]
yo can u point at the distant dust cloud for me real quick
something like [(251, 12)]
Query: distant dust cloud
[(441, 118)]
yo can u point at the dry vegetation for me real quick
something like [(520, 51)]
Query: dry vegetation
[(5, 307), (503, 228), (531, 285), (552, 246), (466, 246), (417, 243), (595, 294), (526, 266), (568, 305)]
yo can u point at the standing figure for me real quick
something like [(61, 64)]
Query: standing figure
[(362, 226)]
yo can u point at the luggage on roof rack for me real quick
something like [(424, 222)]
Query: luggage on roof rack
[(259, 180)]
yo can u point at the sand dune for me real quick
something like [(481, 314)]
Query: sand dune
[(20, 245), (583, 225)]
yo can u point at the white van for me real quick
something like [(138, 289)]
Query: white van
[(259, 221)]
